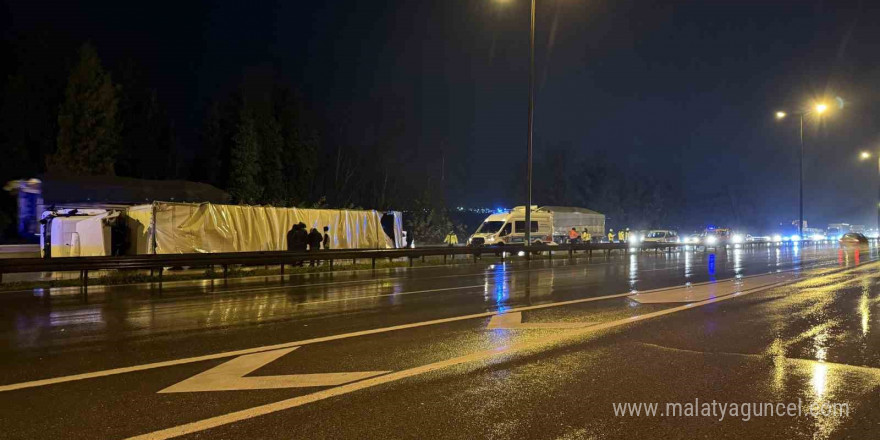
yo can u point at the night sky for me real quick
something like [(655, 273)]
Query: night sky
[(682, 90)]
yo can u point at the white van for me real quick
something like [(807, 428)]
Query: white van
[(509, 228), (549, 224), (661, 236)]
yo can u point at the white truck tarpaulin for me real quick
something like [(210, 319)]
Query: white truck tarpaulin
[(209, 228)]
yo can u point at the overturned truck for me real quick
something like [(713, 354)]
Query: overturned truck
[(178, 228)]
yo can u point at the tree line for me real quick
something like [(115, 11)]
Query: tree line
[(260, 142)]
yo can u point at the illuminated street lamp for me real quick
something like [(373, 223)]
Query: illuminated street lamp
[(864, 155), (818, 109)]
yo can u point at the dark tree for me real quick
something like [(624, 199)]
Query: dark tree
[(244, 167), (88, 134), (147, 143)]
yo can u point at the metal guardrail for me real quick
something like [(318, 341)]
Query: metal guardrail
[(285, 258)]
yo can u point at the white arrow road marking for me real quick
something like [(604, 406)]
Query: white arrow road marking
[(513, 321), (229, 376)]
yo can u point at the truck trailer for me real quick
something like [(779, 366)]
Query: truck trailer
[(549, 224)]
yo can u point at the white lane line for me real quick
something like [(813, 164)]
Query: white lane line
[(152, 365), (513, 321), (707, 291), (483, 355)]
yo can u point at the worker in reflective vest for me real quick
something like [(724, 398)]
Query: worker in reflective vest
[(586, 237), (451, 239), (573, 236)]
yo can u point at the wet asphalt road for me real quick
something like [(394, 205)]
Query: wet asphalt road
[(800, 325)]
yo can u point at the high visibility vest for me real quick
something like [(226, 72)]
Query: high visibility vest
[(585, 236), (572, 234), (621, 235), (610, 236)]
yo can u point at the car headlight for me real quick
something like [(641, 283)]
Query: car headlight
[(711, 239), (490, 239), (737, 238), (777, 238), (795, 237)]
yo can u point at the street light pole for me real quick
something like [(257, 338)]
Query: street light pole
[(801, 211), (528, 225), (818, 110)]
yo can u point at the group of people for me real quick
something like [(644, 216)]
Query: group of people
[(585, 237), (579, 237), (300, 240), (622, 235)]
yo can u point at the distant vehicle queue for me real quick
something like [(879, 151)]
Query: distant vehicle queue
[(557, 225)]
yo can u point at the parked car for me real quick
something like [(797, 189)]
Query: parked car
[(692, 239), (661, 236), (853, 238)]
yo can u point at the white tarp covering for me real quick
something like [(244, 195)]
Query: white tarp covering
[(566, 217), (139, 222), (80, 235), (209, 228)]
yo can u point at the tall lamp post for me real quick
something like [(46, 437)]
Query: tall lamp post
[(864, 156), (818, 110), (528, 224)]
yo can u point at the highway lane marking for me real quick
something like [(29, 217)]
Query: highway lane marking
[(230, 376), (484, 355), (169, 363), (707, 291), (875, 371), (513, 321)]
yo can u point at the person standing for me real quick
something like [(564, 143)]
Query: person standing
[(586, 237), (573, 236), (621, 236), (300, 239), (314, 240), (611, 235), (451, 239), (326, 237), (290, 240)]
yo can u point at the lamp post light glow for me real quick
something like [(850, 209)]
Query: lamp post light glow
[(818, 109)]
